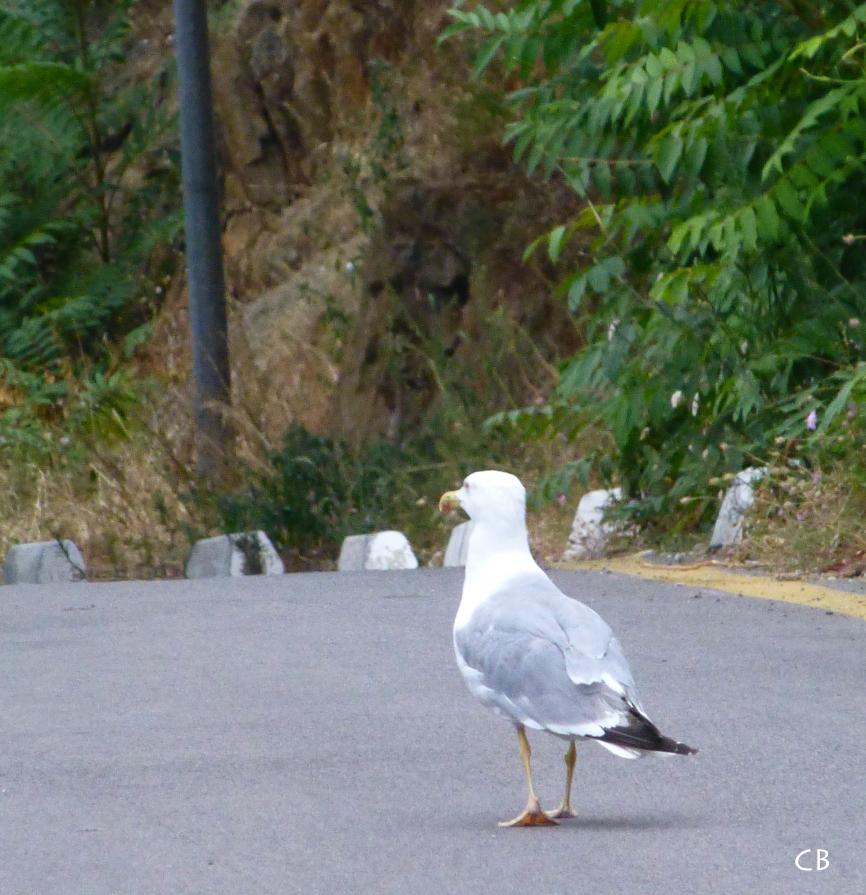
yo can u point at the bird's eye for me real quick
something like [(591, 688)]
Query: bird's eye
[(466, 484)]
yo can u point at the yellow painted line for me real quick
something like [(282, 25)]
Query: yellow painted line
[(717, 577)]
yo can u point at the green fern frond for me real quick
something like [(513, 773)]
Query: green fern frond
[(20, 40), (45, 84), (51, 22)]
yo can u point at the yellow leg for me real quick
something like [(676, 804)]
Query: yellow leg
[(532, 815), (564, 809)]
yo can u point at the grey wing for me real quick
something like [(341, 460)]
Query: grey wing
[(593, 653), (546, 661)]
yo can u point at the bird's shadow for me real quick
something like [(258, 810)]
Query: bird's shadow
[(610, 824), (633, 822)]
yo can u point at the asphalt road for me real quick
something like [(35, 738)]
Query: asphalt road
[(310, 734)]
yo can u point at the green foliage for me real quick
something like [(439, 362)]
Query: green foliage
[(87, 193), (719, 148), (314, 492)]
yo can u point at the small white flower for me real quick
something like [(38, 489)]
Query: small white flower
[(611, 330), (350, 267), (854, 323), (744, 347), (677, 399), (696, 403)]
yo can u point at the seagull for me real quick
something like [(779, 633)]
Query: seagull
[(537, 658)]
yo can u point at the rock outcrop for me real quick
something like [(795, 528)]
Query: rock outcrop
[(374, 224)]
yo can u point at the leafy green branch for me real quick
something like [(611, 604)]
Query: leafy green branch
[(719, 148)]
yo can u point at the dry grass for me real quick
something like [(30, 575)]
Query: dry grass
[(808, 516), (124, 507), (549, 528), (808, 521), (130, 505)]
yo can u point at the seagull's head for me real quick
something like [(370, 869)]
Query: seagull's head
[(488, 496)]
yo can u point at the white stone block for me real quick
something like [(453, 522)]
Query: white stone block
[(382, 550), (728, 529), (44, 562), (589, 531), (232, 555), (458, 546)]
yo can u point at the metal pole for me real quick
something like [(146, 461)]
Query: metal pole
[(207, 309)]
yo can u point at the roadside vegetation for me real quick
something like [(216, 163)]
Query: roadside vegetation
[(88, 227), (718, 148), (715, 275)]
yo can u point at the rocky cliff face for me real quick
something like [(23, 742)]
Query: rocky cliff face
[(373, 224)]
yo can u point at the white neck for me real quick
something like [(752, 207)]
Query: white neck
[(496, 553)]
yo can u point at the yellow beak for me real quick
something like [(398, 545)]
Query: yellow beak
[(448, 502)]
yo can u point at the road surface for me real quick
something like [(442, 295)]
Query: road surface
[(310, 734)]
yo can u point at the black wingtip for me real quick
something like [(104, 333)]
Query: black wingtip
[(641, 733), (666, 744)]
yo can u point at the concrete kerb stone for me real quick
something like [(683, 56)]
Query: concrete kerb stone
[(233, 555), (589, 531), (379, 551), (458, 546), (44, 562), (739, 497)]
